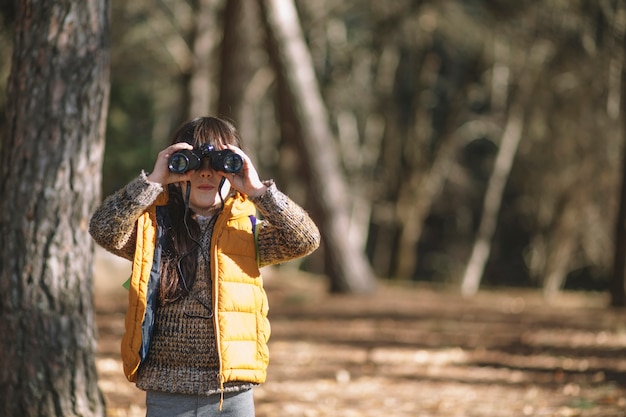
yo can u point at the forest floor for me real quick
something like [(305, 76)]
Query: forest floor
[(410, 351)]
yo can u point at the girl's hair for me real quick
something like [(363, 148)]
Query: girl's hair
[(181, 249)]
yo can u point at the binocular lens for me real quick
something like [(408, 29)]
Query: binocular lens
[(178, 163), (232, 163)]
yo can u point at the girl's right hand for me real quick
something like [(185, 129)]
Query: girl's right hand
[(161, 173)]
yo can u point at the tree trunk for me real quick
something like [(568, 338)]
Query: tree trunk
[(202, 92), (304, 110), (245, 76), (237, 63), (560, 252), (415, 201), (511, 138), (492, 201), (50, 182), (618, 286)]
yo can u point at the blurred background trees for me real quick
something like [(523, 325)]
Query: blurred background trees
[(421, 97)]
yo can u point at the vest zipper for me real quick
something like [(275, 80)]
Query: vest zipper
[(215, 284)]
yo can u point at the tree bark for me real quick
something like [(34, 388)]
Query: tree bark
[(50, 167), (303, 108)]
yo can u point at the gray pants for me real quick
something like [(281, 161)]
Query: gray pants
[(165, 404)]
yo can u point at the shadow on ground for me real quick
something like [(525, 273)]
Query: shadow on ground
[(410, 351)]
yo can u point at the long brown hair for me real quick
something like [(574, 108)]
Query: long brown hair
[(180, 250)]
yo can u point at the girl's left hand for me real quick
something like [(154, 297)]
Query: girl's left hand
[(247, 180)]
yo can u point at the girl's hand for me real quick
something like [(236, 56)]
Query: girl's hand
[(161, 173), (247, 180)]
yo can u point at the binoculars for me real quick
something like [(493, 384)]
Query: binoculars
[(186, 160)]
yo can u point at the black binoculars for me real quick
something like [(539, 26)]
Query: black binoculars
[(186, 160)]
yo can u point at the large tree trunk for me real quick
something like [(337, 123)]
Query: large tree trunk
[(237, 58), (245, 75), (304, 110), (204, 37), (50, 181)]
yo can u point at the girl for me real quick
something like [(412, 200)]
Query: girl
[(196, 325)]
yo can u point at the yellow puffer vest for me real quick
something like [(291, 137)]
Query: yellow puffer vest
[(239, 300)]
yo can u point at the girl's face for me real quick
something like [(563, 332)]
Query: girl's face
[(205, 182)]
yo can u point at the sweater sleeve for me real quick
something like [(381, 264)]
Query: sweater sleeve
[(113, 224), (286, 231)]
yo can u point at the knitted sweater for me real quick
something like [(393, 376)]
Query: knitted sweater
[(183, 357)]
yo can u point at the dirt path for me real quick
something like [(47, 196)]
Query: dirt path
[(412, 351)]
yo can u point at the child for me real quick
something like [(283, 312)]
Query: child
[(196, 325)]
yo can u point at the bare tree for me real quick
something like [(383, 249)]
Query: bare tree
[(50, 180), (511, 137), (304, 113)]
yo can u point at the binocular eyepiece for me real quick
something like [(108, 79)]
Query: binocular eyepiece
[(186, 160)]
